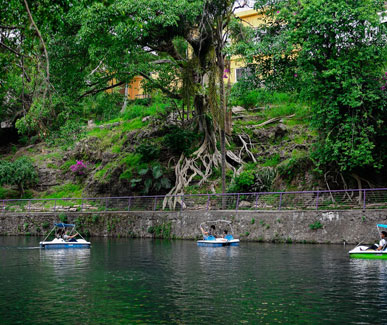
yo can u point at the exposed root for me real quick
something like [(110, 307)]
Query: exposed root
[(201, 163), (244, 146)]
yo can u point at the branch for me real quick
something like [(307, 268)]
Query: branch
[(163, 89), (9, 27), (95, 91), (43, 44), (14, 51)]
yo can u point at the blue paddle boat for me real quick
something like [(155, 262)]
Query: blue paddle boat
[(211, 239), (65, 237)]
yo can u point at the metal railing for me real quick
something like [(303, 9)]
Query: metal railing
[(302, 200)]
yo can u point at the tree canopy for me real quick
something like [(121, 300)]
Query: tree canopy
[(334, 54)]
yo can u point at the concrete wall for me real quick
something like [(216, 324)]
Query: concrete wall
[(351, 226)]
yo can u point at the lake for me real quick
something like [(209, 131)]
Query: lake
[(125, 281)]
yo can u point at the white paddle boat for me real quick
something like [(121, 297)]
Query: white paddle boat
[(72, 240), (211, 240)]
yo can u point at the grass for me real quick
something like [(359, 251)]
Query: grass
[(66, 166), (272, 161), (68, 190)]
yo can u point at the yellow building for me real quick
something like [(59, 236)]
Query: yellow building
[(237, 65)]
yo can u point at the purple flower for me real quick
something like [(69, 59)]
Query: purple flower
[(296, 75), (278, 11), (79, 167), (383, 88), (227, 70), (225, 76)]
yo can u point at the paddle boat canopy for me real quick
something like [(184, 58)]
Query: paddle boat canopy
[(61, 240), (212, 241), (367, 252)]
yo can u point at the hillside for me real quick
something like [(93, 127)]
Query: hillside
[(135, 153)]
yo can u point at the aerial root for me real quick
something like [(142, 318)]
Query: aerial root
[(202, 163)]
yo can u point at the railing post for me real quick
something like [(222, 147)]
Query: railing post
[(317, 197), (155, 204), (29, 205), (3, 205), (106, 204), (237, 203), (208, 202), (364, 199), (82, 205), (54, 205), (256, 201), (129, 203), (280, 201)]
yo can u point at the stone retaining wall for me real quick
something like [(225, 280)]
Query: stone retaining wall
[(350, 226)]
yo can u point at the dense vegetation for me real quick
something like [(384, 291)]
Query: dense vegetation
[(314, 95)]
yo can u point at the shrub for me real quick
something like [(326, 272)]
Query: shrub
[(253, 180), (148, 151), (21, 172), (316, 225), (79, 168), (180, 140)]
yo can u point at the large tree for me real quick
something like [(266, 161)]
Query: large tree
[(334, 53), (174, 45)]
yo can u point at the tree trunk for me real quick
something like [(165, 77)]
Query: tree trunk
[(222, 127)]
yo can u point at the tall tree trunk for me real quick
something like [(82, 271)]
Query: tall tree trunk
[(222, 127)]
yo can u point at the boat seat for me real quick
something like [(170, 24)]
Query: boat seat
[(229, 237), (209, 238)]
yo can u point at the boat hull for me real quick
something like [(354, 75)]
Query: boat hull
[(361, 252), (218, 243), (56, 244)]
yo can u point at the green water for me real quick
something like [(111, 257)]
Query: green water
[(126, 281)]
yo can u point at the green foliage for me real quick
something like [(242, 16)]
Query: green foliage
[(21, 172), (180, 140), (67, 134), (152, 178), (6, 193), (148, 151), (101, 107), (68, 190), (291, 167), (316, 225), (340, 72), (161, 231), (62, 217), (252, 221), (45, 225), (253, 179)]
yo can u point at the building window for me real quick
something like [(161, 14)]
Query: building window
[(242, 73)]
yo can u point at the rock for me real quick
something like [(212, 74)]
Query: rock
[(244, 204), (237, 110), (73, 209), (91, 124), (146, 118), (280, 130)]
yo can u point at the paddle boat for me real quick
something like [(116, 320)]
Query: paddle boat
[(212, 241), (71, 240), (361, 251)]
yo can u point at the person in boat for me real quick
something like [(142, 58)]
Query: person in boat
[(210, 232), (382, 243), (67, 237), (225, 232), (59, 234)]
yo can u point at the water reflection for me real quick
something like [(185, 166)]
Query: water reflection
[(65, 261)]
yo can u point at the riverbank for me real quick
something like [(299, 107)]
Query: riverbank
[(336, 227)]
